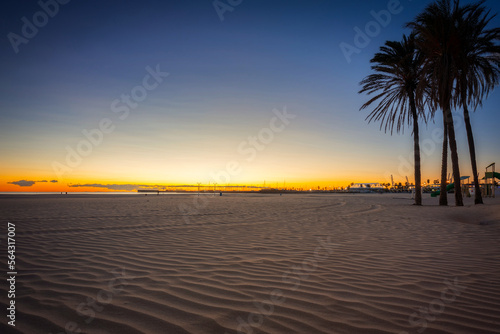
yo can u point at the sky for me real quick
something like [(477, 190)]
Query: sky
[(116, 95)]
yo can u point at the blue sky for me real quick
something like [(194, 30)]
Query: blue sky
[(225, 78)]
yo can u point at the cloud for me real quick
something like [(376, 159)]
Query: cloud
[(23, 183), (26, 183)]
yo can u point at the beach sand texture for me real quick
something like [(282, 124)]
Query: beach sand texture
[(248, 263)]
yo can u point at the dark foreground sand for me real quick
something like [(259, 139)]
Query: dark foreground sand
[(251, 264)]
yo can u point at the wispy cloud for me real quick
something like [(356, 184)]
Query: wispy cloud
[(23, 183), (29, 183)]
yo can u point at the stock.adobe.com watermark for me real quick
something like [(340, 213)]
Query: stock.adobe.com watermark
[(121, 107), (89, 309), (30, 27), (363, 36), (223, 6), (294, 276), (424, 315), (248, 149), (429, 146)]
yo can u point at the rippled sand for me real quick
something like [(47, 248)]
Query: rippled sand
[(253, 264)]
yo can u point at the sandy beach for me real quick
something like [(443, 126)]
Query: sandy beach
[(248, 263)]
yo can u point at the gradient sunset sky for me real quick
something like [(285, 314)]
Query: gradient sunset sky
[(227, 82)]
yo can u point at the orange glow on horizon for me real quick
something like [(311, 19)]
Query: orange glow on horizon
[(67, 186), (129, 183)]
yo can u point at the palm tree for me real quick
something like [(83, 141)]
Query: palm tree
[(395, 85), (478, 71), (438, 38)]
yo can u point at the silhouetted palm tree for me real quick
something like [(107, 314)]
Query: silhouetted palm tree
[(395, 84), (438, 38), (478, 70)]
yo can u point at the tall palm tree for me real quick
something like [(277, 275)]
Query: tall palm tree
[(395, 84), (438, 38), (478, 71)]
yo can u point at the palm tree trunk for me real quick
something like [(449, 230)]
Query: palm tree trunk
[(416, 153), (454, 158), (443, 196), (478, 198)]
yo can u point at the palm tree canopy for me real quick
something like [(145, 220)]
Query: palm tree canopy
[(478, 60), (459, 53), (395, 84), (438, 41)]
